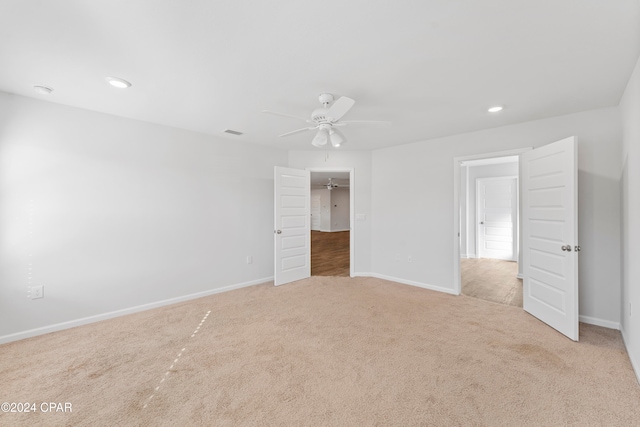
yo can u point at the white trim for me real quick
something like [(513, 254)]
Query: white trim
[(362, 274), (635, 364), (599, 322), (117, 313), (519, 276), (417, 284), (466, 211)]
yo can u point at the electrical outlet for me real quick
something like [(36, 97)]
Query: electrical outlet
[(250, 259), (409, 258), (37, 292)]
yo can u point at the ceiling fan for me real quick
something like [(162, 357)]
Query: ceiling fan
[(324, 119), (330, 185)]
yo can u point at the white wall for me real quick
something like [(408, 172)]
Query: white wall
[(360, 161), (114, 214), (334, 208), (412, 193), (339, 209), (469, 193), (630, 184)]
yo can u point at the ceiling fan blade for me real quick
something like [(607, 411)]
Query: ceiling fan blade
[(339, 108), (297, 131), (287, 115), (373, 122)]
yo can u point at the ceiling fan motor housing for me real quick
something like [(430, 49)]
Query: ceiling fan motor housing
[(319, 115), (325, 98)]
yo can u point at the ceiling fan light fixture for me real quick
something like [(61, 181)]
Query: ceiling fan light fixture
[(321, 138), (336, 138)]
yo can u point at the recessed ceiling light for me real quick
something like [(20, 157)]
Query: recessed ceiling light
[(495, 109), (118, 82), (42, 90)]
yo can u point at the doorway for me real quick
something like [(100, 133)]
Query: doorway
[(331, 219), (549, 246), (487, 248)]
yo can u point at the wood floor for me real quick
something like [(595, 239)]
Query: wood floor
[(492, 280), (330, 253)]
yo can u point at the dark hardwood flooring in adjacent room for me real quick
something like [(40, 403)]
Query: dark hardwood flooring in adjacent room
[(330, 253)]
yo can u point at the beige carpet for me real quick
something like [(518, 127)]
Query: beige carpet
[(323, 352), (491, 280)]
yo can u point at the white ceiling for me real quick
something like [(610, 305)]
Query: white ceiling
[(432, 68)]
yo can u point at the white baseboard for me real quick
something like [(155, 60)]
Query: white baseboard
[(361, 274), (520, 276), (417, 284), (635, 364), (110, 315), (600, 322)]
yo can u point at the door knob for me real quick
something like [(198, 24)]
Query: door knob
[(566, 248), (481, 222), (578, 249), (279, 231)]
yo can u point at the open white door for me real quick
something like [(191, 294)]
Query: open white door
[(550, 234), (291, 225)]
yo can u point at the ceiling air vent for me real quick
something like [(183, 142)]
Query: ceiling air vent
[(232, 132)]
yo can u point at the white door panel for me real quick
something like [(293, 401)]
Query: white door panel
[(550, 235), (292, 225), (497, 201)]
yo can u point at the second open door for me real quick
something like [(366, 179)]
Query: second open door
[(550, 235), (291, 225)]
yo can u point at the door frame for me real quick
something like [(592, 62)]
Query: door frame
[(457, 162), (515, 224), (352, 191)]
